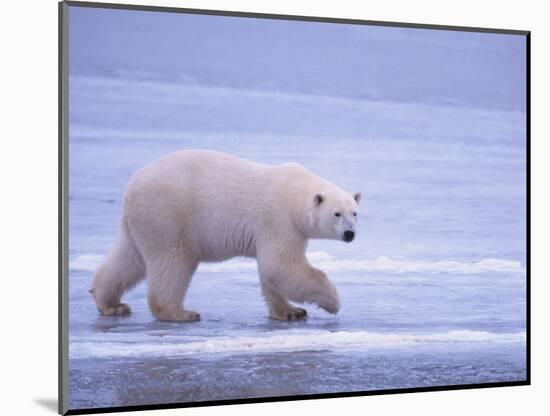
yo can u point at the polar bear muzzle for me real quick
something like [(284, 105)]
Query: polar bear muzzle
[(348, 236)]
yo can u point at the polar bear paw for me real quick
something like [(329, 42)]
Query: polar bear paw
[(120, 309), (182, 315), (290, 313), (330, 301), (189, 316)]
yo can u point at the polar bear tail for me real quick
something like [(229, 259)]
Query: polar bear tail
[(123, 269)]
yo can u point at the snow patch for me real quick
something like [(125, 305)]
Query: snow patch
[(289, 341), (328, 263)]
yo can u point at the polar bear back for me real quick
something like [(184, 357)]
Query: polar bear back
[(217, 205)]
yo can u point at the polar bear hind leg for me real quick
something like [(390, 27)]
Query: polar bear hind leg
[(122, 270), (169, 275)]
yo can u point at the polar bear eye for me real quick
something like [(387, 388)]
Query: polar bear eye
[(337, 214), (355, 214)]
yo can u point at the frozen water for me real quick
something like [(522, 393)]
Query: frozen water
[(428, 125)]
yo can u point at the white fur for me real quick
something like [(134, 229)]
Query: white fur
[(203, 206)]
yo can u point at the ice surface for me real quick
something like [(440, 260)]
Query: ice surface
[(428, 125), (90, 262), (302, 340)]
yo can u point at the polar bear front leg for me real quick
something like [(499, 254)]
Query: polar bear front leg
[(169, 277), (313, 286), (296, 280), (279, 308)]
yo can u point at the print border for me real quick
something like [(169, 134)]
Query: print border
[(63, 199)]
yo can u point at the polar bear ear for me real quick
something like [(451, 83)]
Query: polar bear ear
[(318, 199), (357, 196)]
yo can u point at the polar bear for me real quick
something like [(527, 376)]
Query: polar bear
[(197, 206)]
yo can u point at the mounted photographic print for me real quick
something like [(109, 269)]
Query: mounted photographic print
[(266, 208)]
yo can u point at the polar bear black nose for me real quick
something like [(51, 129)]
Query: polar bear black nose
[(349, 236)]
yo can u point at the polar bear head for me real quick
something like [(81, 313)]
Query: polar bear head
[(334, 215)]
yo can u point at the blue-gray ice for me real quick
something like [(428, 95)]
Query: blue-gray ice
[(429, 125)]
